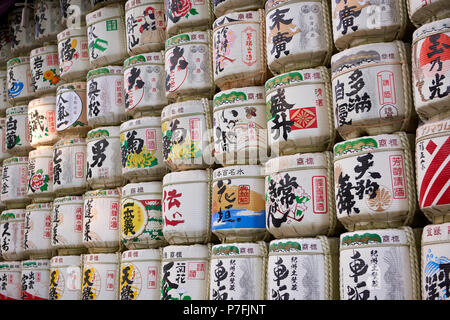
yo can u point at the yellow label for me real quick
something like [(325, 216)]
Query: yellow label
[(90, 286), (129, 278), (134, 219)]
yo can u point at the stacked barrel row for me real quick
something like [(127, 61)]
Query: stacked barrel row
[(252, 57)]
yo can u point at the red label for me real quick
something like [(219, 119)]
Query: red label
[(319, 184), (194, 129), (79, 165), (110, 280), (304, 118), (47, 226), (386, 87), (152, 277), (151, 139), (196, 271), (114, 216), (248, 36), (51, 122), (79, 219), (244, 194), (397, 177)]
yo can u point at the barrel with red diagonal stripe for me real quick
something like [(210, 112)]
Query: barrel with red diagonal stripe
[(433, 170)]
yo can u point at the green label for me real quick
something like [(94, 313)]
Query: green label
[(111, 25)]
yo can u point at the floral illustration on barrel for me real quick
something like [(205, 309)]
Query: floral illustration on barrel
[(73, 54), (44, 66), (187, 14)]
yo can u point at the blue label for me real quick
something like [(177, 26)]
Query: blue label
[(238, 219)]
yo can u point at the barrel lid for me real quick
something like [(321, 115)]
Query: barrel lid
[(43, 151), (62, 261), (439, 26), (184, 108), (103, 132), (17, 61), (68, 200), (70, 142), (151, 57), (233, 17), (186, 38), (240, 96), (270, 4), (10, 266), (17, 110), (134, 189), (297, 161), (100, 258), (130, 4), (367, 144), (142, 254), (144, 122), (366, 55), (15, 160), (373, 237), (238, 171), (107, 12), (296, 77), (12, 214), (44, 100), (102, 193), (186, 176), (295, 245), (436, 233), (80, 85), (72, 32), (39, 206), (36, 264), (432, 128), (104, 71), (237, 249), (44, 50), (195, 251)]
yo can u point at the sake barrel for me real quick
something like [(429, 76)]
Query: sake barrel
[(185, 16), (65, 278), (46, 27), (431, 70), (423, 12), (187, 221), (4, 104), (303, 269), (101, 220), (35, 279), (105, 96), (67, 224), (299, 112), (300, 196), (371, 90), (359, 22), (73, 54), (103, 158), (374, 182), (143, 81), (73, 12), (141, 149), (141, 215), (12, 234), (20, 88), (42, 121), (186, 137), (435, 253), (100, 277), (238, 271), (379, 264), (222, 7), (69, 166), (239, 124), (432, 154), (140, 274), (22, 36), (298, 35), (4, 154), (5, 44), (11, 284), (40, 174), (238, 207), (145, 26), (14, 182), (17, 131), (188, 66), (71, 110), (37, 231), (44, 66), (185, 272), (239, 53), (106, 36)]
